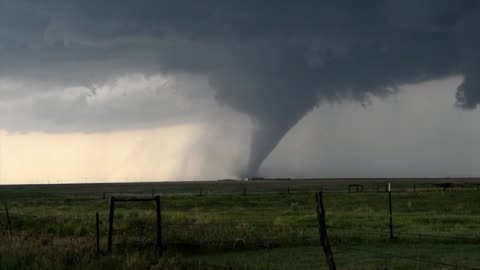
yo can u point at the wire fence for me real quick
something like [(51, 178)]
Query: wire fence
[(409, 258), (259, 187), (176, 233)]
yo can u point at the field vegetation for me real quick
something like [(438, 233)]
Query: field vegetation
[(54, 227)]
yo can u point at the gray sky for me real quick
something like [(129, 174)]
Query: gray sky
[(256, 66), (416, 133)]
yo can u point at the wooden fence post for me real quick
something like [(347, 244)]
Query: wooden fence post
[(414, 188), (9, 223), (378, 187), (159, 225), (97, 223), (322, 228), (390, 209), (111, 209), (244, 190)]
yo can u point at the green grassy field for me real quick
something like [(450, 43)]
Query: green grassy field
[(53, 227)]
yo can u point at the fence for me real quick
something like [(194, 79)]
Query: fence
[(291, 187), (217, 235), (207, 188)]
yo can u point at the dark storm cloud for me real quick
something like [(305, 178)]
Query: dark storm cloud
[(273, 60)]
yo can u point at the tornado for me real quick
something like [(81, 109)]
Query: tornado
[(273, 61)]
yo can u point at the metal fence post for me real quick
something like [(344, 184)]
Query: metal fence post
[(9, 222), (390, 209), (111, 209), (159, 224), (97, 227), (323, 231)]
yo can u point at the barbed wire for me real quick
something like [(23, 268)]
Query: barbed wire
[(419, 234), (250, 224), (240, 225), (88, 220), (411, 258)]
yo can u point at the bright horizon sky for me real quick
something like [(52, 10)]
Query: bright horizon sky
[(76, 157)]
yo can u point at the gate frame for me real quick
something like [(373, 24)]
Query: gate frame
[(111, 210)]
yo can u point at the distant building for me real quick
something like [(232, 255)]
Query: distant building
[(254, 178), (227, 180)]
